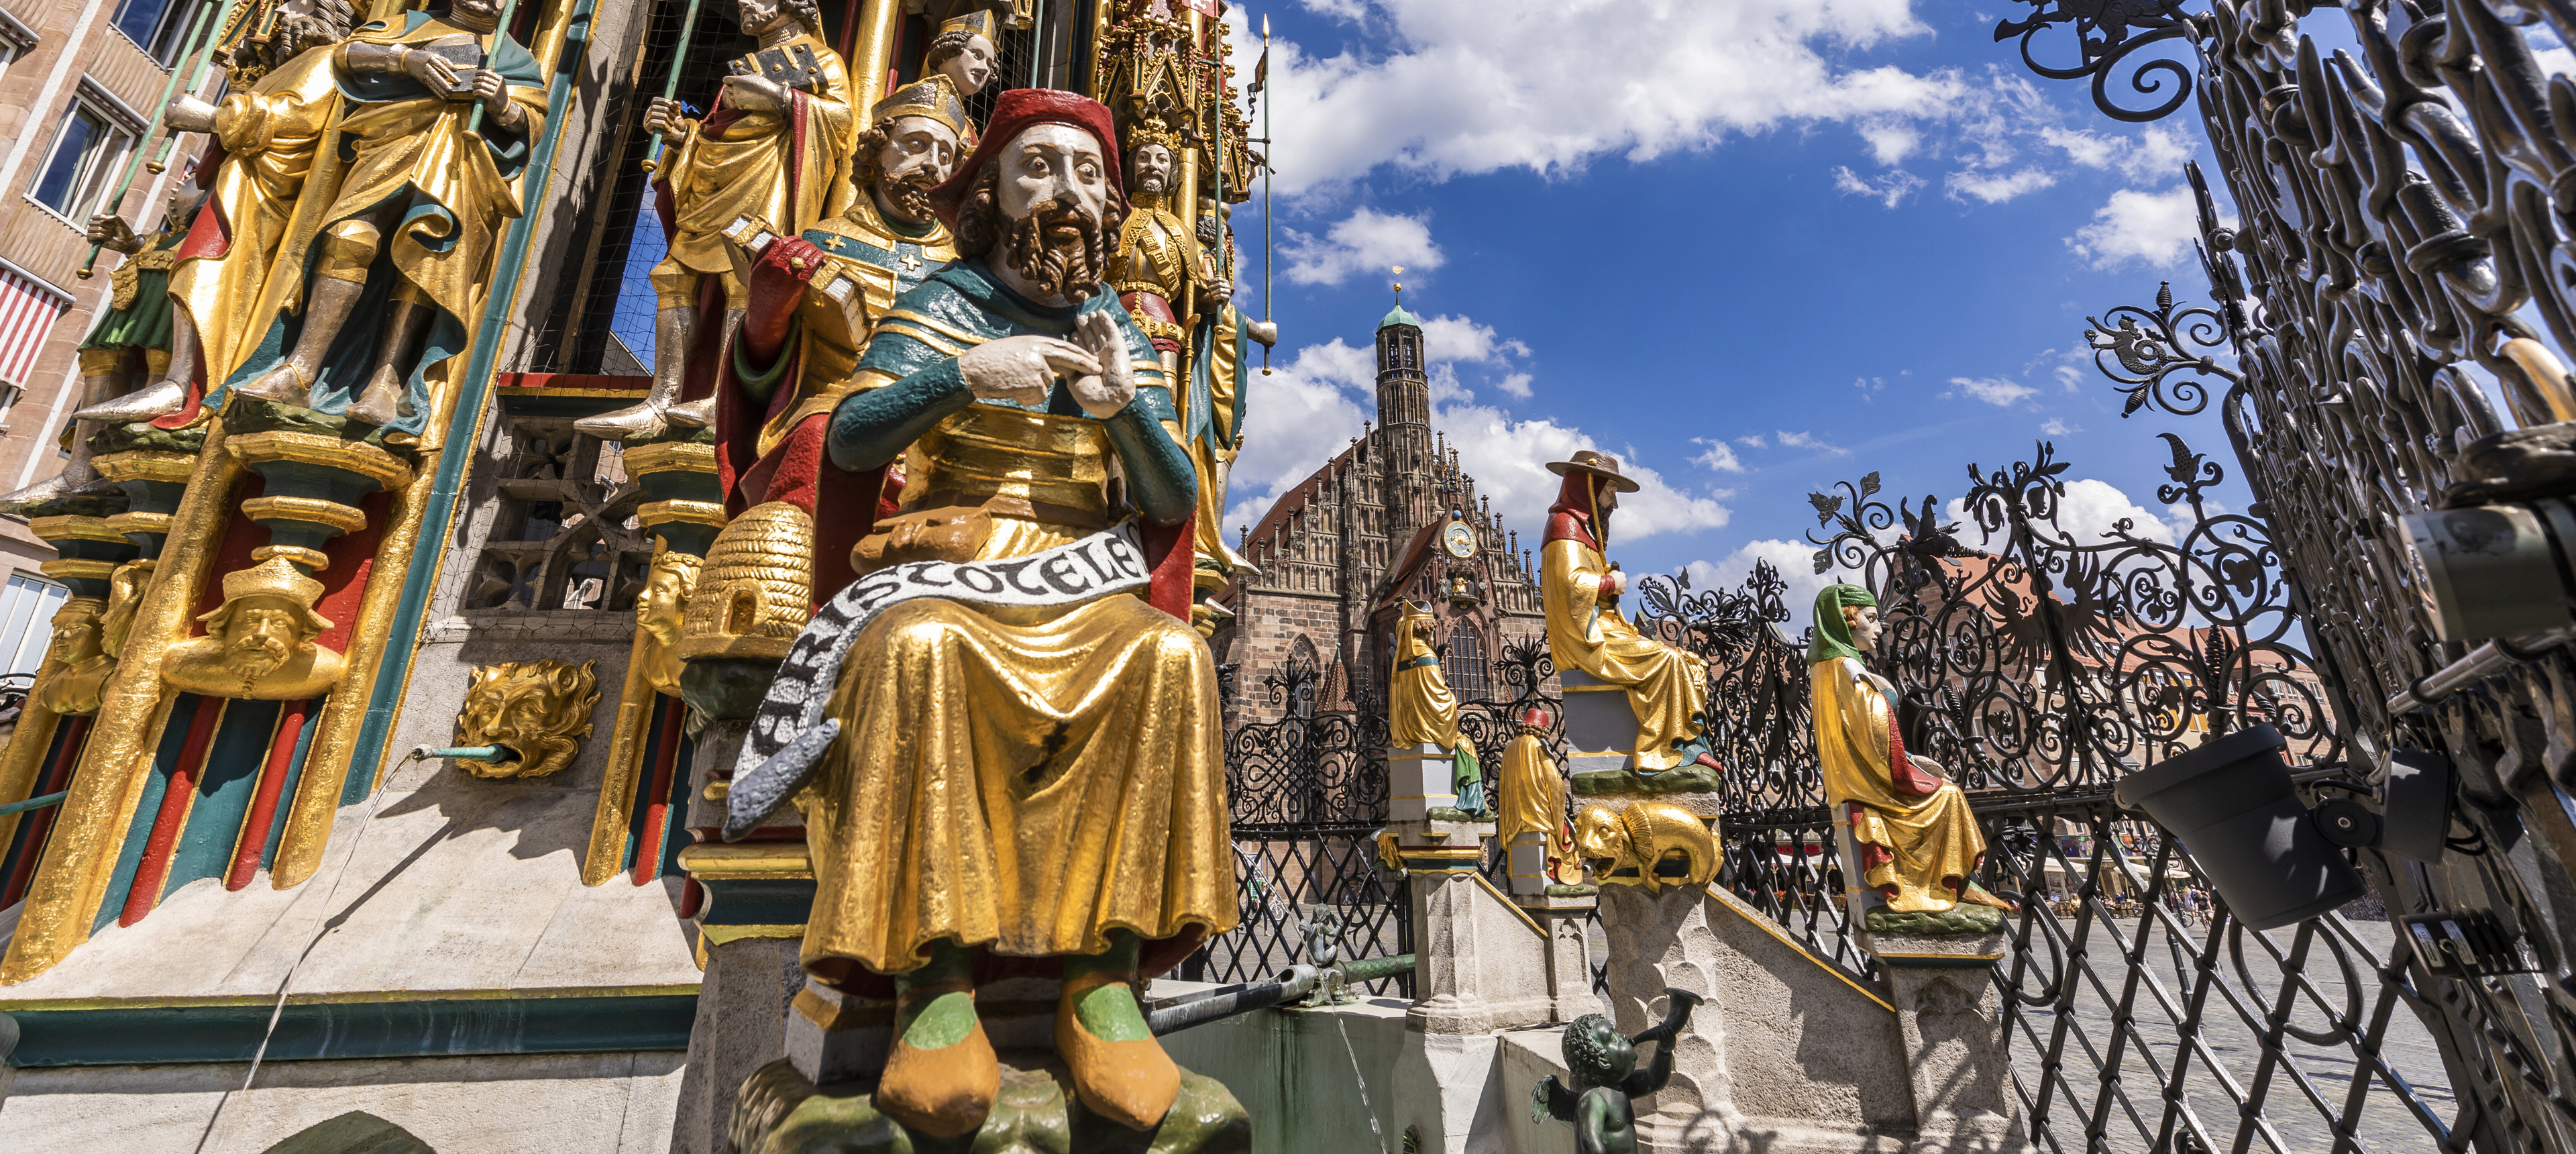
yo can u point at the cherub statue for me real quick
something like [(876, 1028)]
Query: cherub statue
[(1606, 1078), (260, 642)]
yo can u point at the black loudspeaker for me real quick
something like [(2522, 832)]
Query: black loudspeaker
[(2231, 803)]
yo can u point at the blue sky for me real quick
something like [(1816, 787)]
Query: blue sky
[(1750, 247)]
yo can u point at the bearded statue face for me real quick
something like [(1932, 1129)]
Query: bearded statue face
[(536, 711), (1151, 171), (260, 634), (913, 154), (1052, 196)]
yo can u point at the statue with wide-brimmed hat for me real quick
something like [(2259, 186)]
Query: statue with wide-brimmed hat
[(1666, 687)]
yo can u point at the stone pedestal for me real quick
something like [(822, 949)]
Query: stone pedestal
[(1525, 864), (1600, 726), (1947, 1008), (736, 1032), (1420, 778), (1569, 955), (1480, 963)]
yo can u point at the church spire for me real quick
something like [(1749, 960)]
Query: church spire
[(1404, 415)]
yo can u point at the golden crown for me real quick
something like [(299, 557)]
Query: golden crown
[(1146, 130), (934, 98)]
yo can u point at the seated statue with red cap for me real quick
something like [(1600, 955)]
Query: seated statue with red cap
[(1004, 734), (1666, 687)]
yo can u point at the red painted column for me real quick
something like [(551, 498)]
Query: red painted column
[(657, 803), (272, 782), (176, 800)]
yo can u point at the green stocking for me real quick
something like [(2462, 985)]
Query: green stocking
[(938, 1020), (1110, 1012)]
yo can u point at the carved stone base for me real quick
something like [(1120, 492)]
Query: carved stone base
[(1420, 779), (779, 1112), (1479, 963), (1954, 1040), (1569, 952)]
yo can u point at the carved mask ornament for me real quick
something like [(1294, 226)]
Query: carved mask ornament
[(536, 711)]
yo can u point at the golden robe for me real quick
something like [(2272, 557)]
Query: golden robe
[(1929, 840), (272, 136), (1419, 707), (1023, 779), (1666, 686), (745, 168), (1533, 801)]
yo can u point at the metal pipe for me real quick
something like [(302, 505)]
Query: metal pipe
[(1205, 1006), (671, 84), (2483, 662), (17, 807), (462, 753)]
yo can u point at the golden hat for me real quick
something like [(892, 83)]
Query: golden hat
[(1598, 464), (934, 98), (276, 577), (981, 22)]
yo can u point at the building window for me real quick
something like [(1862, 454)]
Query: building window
[(156, 26), (26, 620), (86, 153), (1464, 664)]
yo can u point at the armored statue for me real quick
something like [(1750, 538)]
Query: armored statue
[(130, 344), (271, 135), (1161, 275), (826, 289), (1607, 1082), (1916, 840), (775, 150), (260, 642), (1668, 688), (1212, 404), (1018, 758), (440, 110), (1420, 709)]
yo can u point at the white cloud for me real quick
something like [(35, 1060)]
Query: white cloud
[(2151, 228), (1470, 86), (1997, 391), (1508, 459), (1997, 187), (1796, 564), (1304, 414), (2057, 427), (1515, 384), (1754, 441), (1789, 440), (2089, 510), (1889, 190), (1367, 241), (1718, 458), (2153, 155), (1448, 338)]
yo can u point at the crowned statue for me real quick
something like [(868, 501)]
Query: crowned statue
[(1666, 687), (271, 135), (130, 344), (814, 299), (260, 642), (1026, 776), (775, 150), (1916, 841), (1420, 709)]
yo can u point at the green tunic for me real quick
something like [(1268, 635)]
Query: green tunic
[(143, 321)]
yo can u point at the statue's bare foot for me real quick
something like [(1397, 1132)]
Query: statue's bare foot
[(284, 385), (381, 404), (644, 419), (1119, 1071), (159, 399), (54, 488)]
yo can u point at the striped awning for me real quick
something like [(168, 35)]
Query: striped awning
[(28, 310)]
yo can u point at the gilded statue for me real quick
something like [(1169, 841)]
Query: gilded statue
[(1643, 836), (961, 59), (1602, 1102), (1030, 774), (776, 150), (403, 253), (1667, 687), (1212, 403), (1917, 842), (536, 711), (1161, 275), (129, 345), (1533, 798), (260, 642), (814, 299), (1420, 709), (78, 662), (270, 134), (659, 613)]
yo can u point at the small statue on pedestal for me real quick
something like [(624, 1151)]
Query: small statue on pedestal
[(1533, 799), (1421, 711), (1916, 841), (1607, 1081)]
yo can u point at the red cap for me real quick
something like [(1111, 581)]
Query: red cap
[(1534, 717), (1017, 110)]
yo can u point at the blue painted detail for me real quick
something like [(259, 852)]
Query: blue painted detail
[(675, 832), (165, 761), (224, 791), (431, 1027), (294, 777), (27, 829), (641, 802), (365, 761)]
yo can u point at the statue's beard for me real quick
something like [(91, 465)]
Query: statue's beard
[(1059, 249), (256, 657), (908, 192)]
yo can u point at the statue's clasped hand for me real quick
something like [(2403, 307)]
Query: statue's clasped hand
[(667, 119), (108, 230), (748, 93), (1023, 369), (495, 95)]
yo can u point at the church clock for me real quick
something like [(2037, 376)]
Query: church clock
[(1459, 540)]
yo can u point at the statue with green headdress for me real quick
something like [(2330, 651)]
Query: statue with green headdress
[(1913, 838)]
